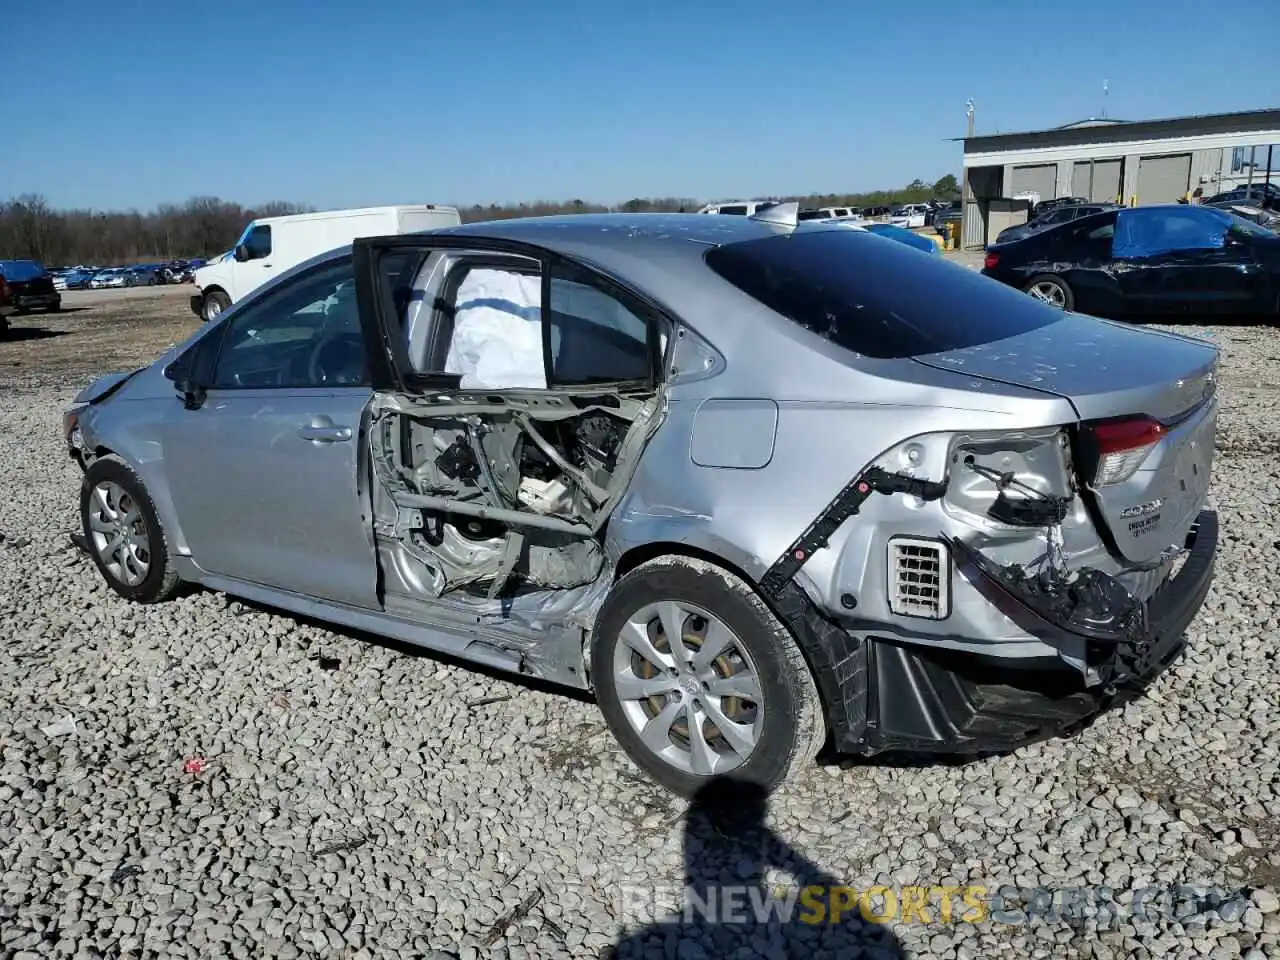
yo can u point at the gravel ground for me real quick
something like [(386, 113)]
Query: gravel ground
[(358, 800)]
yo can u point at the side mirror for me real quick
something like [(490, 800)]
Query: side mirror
[(180, 372), (242, 253)]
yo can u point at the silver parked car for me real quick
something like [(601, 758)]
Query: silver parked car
[(760, 486)]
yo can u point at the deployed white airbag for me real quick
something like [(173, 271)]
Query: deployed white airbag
[(497, 331)]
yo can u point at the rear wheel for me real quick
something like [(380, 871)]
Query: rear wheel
[(698, 679), (214, 303), (1051, 290)]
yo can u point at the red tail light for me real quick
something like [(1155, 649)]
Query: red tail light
[(1122, 447), (990, 260)]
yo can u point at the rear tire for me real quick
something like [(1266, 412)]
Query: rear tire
[(1051, 290), (214, 304), (749, 710)]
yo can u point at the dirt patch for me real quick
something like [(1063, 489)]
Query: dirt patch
[(99, 331)]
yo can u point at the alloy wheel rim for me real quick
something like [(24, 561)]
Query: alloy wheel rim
[(688, 688), (211, 309), (119, 533), (1049, 293)]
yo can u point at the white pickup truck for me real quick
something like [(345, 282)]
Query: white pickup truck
[(272, 245)]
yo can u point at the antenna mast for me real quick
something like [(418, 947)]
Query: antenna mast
[(1106, 89), (968, 109)]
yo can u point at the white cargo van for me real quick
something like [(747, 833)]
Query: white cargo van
[(272, 245)]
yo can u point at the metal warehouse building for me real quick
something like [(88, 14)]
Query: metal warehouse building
[(1132, 162)]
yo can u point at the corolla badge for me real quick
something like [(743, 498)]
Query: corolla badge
[(1142, 509)]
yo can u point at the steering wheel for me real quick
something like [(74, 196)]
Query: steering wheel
[(337, 360)]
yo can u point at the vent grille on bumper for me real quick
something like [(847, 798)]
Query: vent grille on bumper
[(919, 578)]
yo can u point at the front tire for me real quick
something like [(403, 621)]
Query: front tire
[(1051, 290), (123, 533), (698, 679), (214, 303)]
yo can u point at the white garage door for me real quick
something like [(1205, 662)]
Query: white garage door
[(1097, 180), (1042, 178), (1163, 179)]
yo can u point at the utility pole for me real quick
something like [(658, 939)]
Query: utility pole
[(1106, 89), (968, 109)]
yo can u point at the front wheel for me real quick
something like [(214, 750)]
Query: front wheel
[(698, 679), (1051, 290), (214, 304), (123, 533)]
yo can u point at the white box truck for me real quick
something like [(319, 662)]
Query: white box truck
[(270, 246)]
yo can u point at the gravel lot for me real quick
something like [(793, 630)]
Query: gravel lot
[(361, 801)]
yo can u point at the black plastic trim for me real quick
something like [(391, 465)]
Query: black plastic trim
[(885, 695), (845, 504)]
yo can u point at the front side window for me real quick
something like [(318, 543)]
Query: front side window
[(304, 334), (258, 241), (1160, 230)]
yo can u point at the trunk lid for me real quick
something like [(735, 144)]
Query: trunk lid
[(1108, 371)]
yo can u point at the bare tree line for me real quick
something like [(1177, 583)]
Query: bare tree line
[(203, 226), (29, 227)]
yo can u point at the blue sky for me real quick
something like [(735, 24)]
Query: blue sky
[(385, 101)]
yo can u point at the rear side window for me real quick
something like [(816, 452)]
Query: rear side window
[(738, 210), (875, 296)]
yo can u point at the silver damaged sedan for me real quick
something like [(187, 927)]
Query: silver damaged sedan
[(763, 487)]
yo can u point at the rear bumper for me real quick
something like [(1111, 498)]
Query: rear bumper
[(883, 695)]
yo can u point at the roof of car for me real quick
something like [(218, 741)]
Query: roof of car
[(661, 253), (622, 231)]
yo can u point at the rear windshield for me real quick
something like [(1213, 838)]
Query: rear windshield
[(19, 270), (876, 296)]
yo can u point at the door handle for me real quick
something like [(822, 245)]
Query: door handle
[(324, 433)]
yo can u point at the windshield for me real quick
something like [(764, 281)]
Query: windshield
[(18, 270), (876, 296)]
